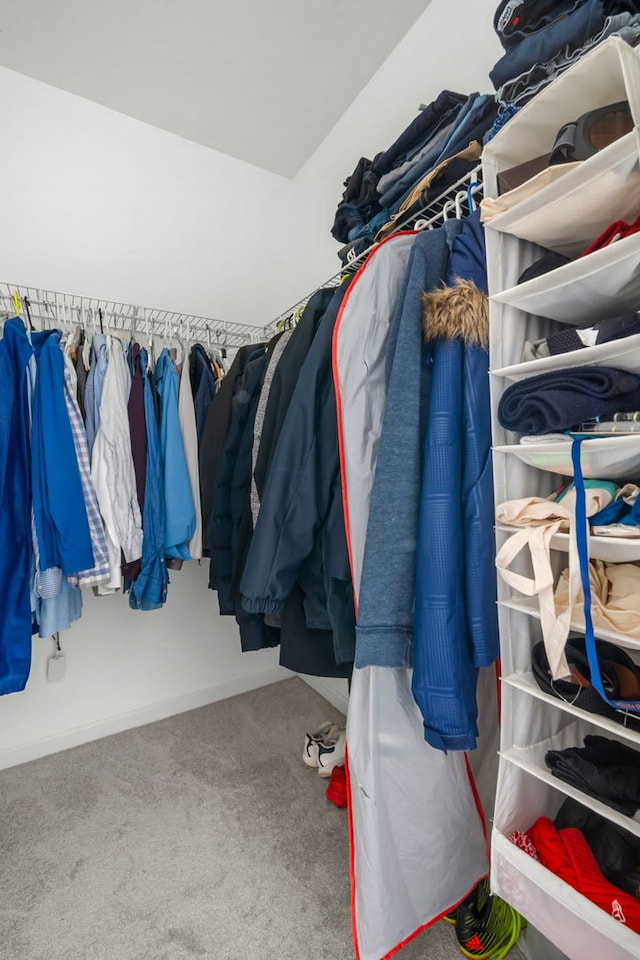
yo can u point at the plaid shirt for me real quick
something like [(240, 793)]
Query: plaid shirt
[(101, 571)]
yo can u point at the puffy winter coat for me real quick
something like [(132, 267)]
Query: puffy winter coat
[(456, 629)]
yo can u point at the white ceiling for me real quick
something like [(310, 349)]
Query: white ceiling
[(261, 80)]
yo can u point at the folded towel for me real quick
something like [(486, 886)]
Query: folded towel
[(561, 399)]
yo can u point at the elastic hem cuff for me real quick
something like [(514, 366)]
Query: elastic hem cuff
[(262, 605)]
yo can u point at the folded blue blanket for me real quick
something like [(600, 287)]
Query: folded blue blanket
[(563, 399)]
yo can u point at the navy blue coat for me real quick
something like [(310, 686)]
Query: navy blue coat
[(456, 628)]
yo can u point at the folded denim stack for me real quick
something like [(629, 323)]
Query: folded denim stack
[(543, 38), (430, 155)]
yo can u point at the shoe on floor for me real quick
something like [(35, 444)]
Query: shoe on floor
[(327, 733), (486, 926), (337, 789), (331, 754)]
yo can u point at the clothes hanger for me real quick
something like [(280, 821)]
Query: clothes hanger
[(471, 189), (27, 307), (460, 198)]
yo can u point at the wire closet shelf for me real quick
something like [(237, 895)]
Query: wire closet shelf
[(457, 201), (48, 308)]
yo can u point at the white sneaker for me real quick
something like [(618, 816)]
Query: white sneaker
[(328, 734), (331, 755)]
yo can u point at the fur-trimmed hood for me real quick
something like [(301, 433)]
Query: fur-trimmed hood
[(458, 311)]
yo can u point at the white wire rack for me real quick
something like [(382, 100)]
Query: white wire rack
[(457, 201), (47, 308)]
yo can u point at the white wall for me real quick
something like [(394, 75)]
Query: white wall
[(98, 204), (452, 46), (126, 667)]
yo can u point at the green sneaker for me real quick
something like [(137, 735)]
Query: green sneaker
[(486, 926)]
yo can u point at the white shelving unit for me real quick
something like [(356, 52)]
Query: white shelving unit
[(566, 216)]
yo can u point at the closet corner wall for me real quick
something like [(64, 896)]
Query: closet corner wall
[(564, 217)]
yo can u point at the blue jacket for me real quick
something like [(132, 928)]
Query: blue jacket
[(384, 634), (149, 589), (456, 629), (15, 509), (62, 527), (180, 516)]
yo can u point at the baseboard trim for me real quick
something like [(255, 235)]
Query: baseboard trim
[(96, 730), (326, 688)]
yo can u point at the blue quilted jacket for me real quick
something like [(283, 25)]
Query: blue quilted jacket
[(456, 629)]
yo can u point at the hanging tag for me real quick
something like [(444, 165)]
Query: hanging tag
[(16, 302), (56, 662)]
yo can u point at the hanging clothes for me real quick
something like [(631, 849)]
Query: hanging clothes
[(138, 434), (99, 359), (149, 591), (412, 809), (15, 509), (258, 427), (203, 385), (100, 572), (180, 516), (299, 531), (112, 469), (285, 378), (64, 539), (215, 433), (387, 593), (187, 418), (456, 612), (230, 496)]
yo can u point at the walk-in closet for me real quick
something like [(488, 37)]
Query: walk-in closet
[(320, 480)]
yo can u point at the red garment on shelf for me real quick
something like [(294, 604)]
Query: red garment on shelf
[(567, 854), (614, 232)]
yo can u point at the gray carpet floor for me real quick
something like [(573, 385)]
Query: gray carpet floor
[(202, 835)]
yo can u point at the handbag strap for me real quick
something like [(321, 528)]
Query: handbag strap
[(555, 626), (581, 526)]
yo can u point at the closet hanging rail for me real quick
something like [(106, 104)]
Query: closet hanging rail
[(48, 308), (454, 202)]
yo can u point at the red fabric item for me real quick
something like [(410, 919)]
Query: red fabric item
[(337, 789), (615, 231), (567, 854), (523, 840)]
